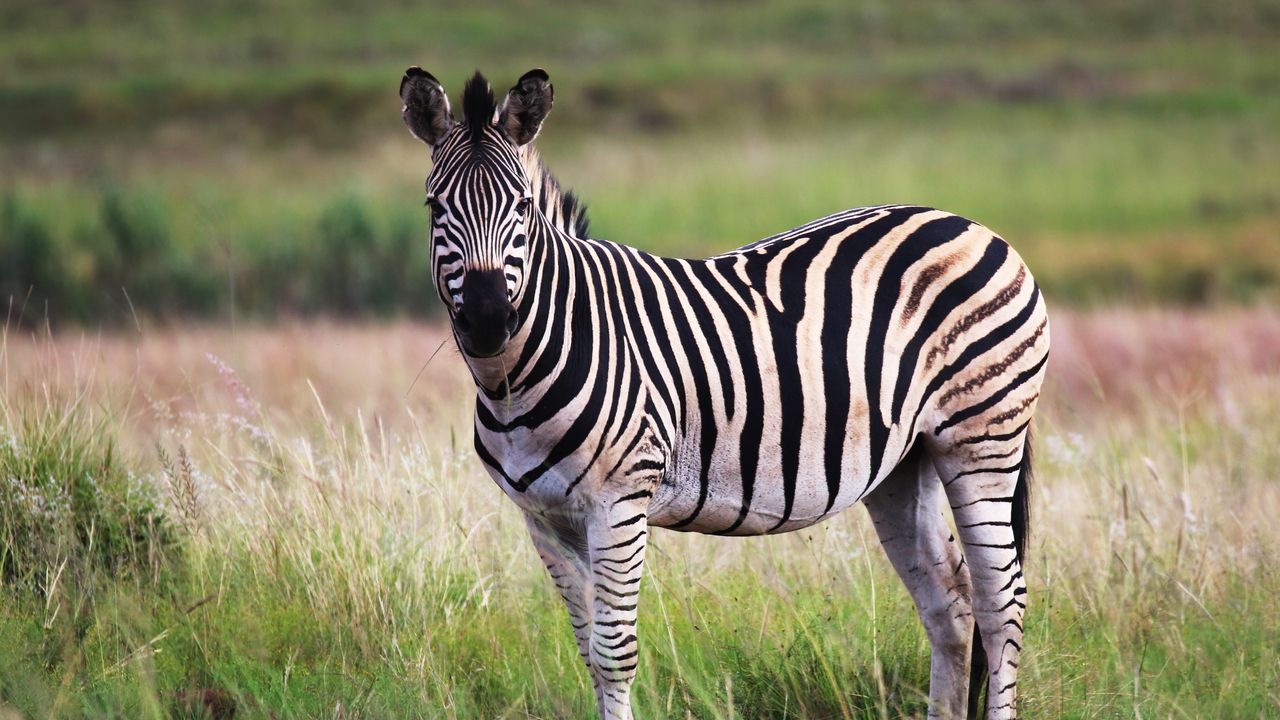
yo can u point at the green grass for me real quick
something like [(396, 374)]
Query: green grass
[(727, 646), (336, 557)]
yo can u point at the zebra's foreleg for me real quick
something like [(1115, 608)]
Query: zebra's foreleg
[(618, 534), (907, 513)]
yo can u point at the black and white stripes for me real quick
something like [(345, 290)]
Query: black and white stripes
[(891, 355)]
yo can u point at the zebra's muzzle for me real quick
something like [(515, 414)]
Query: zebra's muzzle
[(486, 319)]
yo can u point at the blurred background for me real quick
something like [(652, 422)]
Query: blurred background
[(230, 159)]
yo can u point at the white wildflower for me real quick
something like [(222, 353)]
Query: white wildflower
[(239, 390)]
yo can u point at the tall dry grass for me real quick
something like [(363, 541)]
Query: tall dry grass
[(344, 553)]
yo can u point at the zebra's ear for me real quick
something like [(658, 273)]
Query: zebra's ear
[(527, 105), (426, 107)]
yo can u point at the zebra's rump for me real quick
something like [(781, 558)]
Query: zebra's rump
[(812, 361)]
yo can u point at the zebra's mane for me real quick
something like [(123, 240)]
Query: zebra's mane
[(478, 106), (561, 206)]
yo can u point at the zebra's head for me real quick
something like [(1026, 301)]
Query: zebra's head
[(480, 198)]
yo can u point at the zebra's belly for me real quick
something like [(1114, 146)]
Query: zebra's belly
[(756, 521), (775, 499)]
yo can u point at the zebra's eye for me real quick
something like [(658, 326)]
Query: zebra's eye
[(436, 208), (522, 206)]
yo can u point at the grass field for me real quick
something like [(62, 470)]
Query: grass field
[(306, 533), (239, 159)]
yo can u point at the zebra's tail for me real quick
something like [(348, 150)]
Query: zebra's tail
[(1020, 520), (1022, 502)]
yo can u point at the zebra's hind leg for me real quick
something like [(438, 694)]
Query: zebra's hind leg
[(907, 513), (985, 476)]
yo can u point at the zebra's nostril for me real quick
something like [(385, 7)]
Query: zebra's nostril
[(461, 322), (512, 318)]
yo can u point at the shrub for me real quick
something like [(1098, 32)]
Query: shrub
[(345, 264), (29, 275), (68, 506)]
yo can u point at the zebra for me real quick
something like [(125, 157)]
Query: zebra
[(891, 355)]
